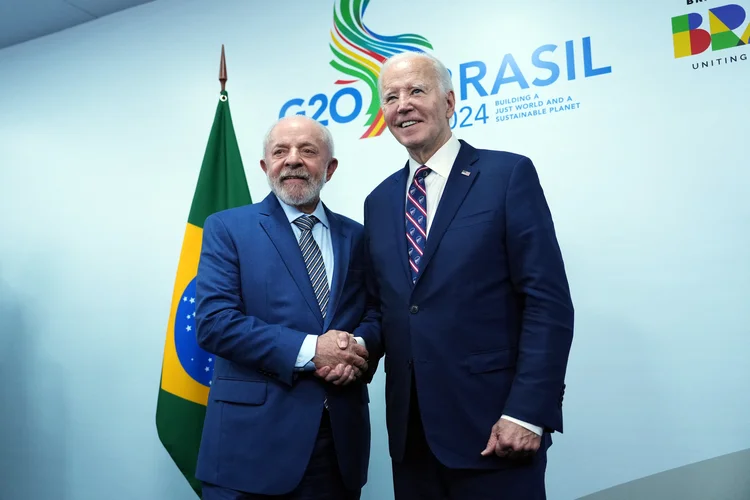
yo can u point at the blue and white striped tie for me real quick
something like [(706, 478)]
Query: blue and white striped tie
[(313, 260)]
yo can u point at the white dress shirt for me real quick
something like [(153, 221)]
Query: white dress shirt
[(321, 233), (440, 164)]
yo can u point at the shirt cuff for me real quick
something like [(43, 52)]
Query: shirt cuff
[(533, 428), (361, 341), (306, 353)]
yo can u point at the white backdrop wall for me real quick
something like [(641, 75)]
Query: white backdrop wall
[(102, 131)]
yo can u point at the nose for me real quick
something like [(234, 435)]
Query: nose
[(404, 104), (293, 159)]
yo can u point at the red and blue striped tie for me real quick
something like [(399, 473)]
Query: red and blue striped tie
[(416, 220)]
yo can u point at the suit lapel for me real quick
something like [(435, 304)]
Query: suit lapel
[(397, 193), (456, 187), (341, 253), (280, 232)]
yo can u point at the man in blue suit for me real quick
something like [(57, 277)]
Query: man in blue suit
[(287, 414), (477, 319)]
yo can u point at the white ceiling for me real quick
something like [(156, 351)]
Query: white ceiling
[(22, 20)]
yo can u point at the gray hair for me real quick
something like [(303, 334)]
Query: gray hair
[(442, 74), (327, 137)]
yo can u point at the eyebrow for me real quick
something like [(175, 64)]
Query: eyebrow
[(303, 145), (417, 85)]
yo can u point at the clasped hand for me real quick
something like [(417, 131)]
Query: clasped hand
[(339, 358)]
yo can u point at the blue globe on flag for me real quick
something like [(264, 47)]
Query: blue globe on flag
[(196, 362)]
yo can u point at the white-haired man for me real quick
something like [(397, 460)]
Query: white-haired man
[(281, 301), (477, 319)]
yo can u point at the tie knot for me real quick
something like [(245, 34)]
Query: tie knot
[(422, 172), (305, 222)]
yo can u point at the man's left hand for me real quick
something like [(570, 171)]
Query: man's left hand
[(510, 440)]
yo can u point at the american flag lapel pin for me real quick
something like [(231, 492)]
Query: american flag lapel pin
[(465, 172)]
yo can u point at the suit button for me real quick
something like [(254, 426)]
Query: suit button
[(414, 309)]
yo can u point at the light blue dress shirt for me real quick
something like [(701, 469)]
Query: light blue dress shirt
[(321, 233)]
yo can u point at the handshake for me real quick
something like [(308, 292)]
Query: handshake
[(339, 358)]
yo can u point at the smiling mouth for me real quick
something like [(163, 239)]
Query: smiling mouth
[(408, 124), (293, 178)]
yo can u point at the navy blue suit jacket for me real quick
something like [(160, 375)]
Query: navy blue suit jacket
[(255, 305), (487, 328)]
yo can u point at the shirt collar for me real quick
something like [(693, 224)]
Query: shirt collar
[(442, 161), (292, 213)]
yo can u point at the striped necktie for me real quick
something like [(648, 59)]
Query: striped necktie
[(416, 220), (313, 260)]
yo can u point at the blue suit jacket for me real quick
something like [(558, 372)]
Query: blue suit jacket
[(487, 328), (255, 305)]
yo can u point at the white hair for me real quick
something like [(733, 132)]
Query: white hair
[(327, 137), (442, 75)]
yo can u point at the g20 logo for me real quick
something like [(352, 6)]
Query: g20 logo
[(358, 54), (690, 39), (321, 107)]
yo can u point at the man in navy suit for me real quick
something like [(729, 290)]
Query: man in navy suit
[(477, 318), (287, 413)]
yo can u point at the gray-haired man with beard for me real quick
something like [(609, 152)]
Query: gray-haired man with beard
[(281, 301)]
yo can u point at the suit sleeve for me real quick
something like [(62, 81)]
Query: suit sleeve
[(370, 326), (538, 275), (223, 328)]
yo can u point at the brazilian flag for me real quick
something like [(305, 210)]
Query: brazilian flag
[(186, 368)]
